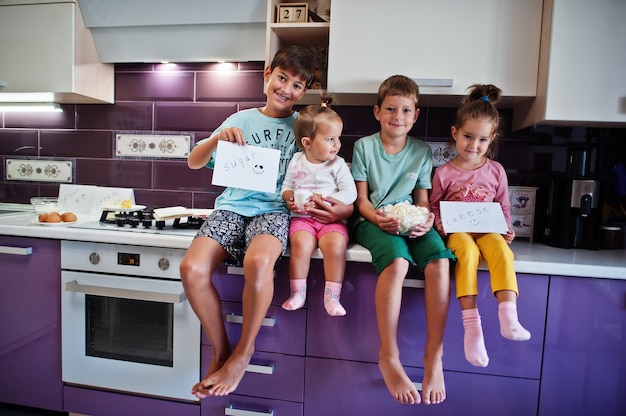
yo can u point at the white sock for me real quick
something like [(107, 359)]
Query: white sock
[(333, 307), (473, 340), (510, 328), (298, 295)]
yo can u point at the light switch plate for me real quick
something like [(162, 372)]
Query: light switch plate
[(41, 170), (152, 145)]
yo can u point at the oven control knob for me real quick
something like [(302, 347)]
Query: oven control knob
[(94, 258), (164, 263)]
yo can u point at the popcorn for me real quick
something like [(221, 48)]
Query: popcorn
[(408, 214)]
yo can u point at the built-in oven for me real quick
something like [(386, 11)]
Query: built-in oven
[(126, 323)]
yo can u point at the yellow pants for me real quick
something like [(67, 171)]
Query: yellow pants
[(470, 249)]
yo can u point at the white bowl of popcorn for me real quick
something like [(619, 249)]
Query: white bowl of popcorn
[(408, 214)]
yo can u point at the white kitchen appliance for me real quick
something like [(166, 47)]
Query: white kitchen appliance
[(126, 323)]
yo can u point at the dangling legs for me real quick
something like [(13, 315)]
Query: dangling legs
[(388, 297), (201, 260), (333, 246), (302, 245)]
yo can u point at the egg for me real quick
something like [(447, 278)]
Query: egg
[(69, 217), (53, 217)]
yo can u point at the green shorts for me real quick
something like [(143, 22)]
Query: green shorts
[(385, 247)]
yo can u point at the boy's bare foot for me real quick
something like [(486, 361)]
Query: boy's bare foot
[(225, 380), (433, 385), (398, 383), (199, 390)]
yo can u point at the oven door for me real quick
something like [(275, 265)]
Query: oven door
[(131, 334)]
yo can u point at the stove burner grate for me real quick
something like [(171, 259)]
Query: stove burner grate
[(145, 218)]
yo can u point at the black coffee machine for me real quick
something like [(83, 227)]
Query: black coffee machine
[(573, 212)]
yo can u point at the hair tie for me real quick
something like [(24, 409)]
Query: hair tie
[(324, 104), (485, 98)]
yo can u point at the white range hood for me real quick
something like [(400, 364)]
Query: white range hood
[(176, 31)]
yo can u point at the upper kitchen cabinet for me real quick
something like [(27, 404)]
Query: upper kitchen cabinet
[(582, 75), (177, 31), (445, 45), (46, 48)]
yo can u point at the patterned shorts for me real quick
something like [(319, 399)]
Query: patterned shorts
[(234, 232)]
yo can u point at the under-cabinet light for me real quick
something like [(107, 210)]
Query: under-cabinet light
[(30, 107)]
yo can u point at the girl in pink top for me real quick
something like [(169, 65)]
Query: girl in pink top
[(473, 176)]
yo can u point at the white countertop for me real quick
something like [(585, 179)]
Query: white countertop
[(532, 258)]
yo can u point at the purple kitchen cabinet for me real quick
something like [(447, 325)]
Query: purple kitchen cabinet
[(235, 405), (30, 326), (281, 331), (584, 368), (508, 358), (105, 403), (355, 335), (229, 282), (275, 376), (347, 388)]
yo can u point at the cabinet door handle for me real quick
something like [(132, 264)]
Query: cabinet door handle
[(260, 369), (114, 292), (237, 319), (434, 82), (18, 251), (231, 410)]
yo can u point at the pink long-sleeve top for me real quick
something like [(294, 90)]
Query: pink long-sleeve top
[(488, 183)]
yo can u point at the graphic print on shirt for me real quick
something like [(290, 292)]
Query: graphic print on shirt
[(286, 146), (470, 193), (301, 173)]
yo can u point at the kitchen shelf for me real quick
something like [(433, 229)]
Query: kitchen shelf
[(306, 34), (311, 34)]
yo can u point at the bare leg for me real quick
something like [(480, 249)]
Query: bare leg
[(388, 297), (258, 269), (302, 245), (333, 246), (196, 270), (437, 299)]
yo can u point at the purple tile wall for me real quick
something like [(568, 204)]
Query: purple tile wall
[(194, 99)]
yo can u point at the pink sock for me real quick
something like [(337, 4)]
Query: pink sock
[(510, 328), (473, 341), (298, 295), (332, 290)]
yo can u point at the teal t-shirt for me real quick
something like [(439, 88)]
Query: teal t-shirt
[(392, 178), (272, 133)]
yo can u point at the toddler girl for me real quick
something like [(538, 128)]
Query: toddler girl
[(313, 175)]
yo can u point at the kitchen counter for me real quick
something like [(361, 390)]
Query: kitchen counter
[(534, 258)]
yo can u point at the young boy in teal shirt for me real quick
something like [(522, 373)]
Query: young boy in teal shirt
[(390, 167)]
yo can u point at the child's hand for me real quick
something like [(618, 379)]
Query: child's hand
[(330, 210), (387, 224), (317, 201), (293, 207), (421, 229), (233, 135), (509, 236)]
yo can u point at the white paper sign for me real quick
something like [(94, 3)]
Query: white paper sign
[(246, 167), (76, 198), (106, 195), (472, 217), (88, 199)]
